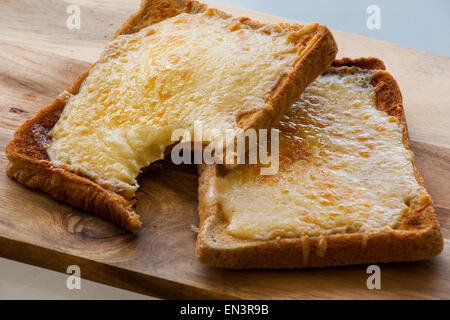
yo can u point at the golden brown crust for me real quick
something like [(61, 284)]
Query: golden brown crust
[(75, 190), (29, 163), (363, 63), (311, 64), (416, 237)]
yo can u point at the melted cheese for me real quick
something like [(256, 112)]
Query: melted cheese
[(190, 67), (344, 168)]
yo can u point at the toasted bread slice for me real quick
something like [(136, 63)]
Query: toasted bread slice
[(347, 191), (88, 146)]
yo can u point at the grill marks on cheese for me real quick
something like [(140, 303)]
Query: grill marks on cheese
[(190, 67), (344, 168)]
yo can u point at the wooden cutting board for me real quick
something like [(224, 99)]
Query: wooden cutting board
[(39, 57)]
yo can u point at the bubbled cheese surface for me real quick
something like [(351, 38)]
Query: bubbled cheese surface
[(192, 67), (343, 168)]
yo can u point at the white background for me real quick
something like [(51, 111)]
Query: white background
[(423, 25), (419, 24)]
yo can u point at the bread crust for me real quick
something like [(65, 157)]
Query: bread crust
[(30, 165), (417, 236)]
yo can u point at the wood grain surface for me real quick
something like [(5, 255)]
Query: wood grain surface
[(39, 57)]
